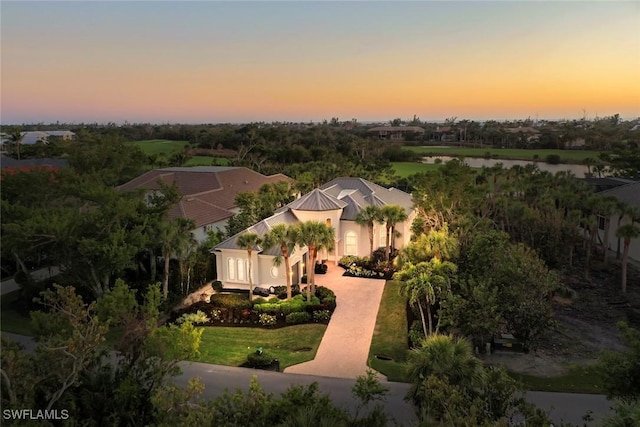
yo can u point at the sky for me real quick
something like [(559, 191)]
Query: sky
[(213, 62)]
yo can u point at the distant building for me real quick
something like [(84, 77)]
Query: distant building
[(32, 137), (208, 192), (396, 133)]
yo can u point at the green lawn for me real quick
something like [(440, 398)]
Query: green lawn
[(390, 334), (12, 320), (580, 379), (230, 345), (207, 161), (158, 146), (404, 169), (570, 156)]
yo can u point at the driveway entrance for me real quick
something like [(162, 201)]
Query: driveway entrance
[(344, 349)]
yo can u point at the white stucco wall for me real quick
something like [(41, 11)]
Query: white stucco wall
[(634, 247), (200, 233)]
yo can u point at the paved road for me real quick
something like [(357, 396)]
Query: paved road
[(344, 349), (10, 285), (561, 406)]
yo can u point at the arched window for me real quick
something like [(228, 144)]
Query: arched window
[(246, 268), (241, 271), (350, 243), (231, 269)]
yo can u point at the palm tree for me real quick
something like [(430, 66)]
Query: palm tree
[(428, 281), (172, 236), (447, 358), (249, 241), (392, 215), (626, 232), (16, 137), (284, 237), (607, 208), (368, 216), (315, 235)]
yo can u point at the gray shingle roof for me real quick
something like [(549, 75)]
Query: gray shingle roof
[(629, 194), (261, 228), (373, 193)]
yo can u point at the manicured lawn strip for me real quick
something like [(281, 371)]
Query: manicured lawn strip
[(207, 161), (404, 169), (574, 156), (12, 320), (158, 146), (580, 379), (390, 334), (230, 346)]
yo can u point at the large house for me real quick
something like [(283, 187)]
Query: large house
[(396, 133), (337, 204), (208, 192), (628, 193)]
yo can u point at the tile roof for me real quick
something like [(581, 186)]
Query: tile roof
[(349, 194), (317, 200), (208, 192)]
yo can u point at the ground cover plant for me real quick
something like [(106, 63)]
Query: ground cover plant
[(566, 156)]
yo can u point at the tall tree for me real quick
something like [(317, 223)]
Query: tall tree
[(173, 237), (315, 236), (369, 216), (283, 237), (392, 215), (626, 232), (249, 241)]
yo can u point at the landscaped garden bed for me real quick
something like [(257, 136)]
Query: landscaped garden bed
[(238, 310), (370, 268)]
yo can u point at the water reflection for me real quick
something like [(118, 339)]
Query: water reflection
[(578, 170)]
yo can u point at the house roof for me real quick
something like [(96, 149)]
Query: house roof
[(601, 184), (349, 194), (629, 194), (8, 162), (316, 200), (397, 129), (208, 192)]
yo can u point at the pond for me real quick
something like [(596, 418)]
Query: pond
[(578, 170)]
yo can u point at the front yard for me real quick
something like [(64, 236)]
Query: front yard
[(231, 345)]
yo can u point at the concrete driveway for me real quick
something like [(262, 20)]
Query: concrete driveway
[(344, 348)]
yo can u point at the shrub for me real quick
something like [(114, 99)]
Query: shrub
[(378, 256), (216, 314), (298, 317), (487, 154), (416, 333), (217, 286), (322, 292), (259, 301), (267, 319), (231, 301), (553, 159), (259, 359), (321, 315), (194, 318)]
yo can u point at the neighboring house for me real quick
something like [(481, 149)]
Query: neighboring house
[(527, 133), (630, 194), (33, 137), (444, 134), (208, 192), (396, 133), (10, 165), (336, 204)]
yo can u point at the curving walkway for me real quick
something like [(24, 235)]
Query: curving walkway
[(344, 349)]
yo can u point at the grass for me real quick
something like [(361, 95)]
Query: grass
[(390, 335), (12, 319), (231, 345), (207, 161), (568, 156), (404, 169), (159, 146), (580, 379)]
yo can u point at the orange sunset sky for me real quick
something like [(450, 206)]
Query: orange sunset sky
[(208, 61)]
